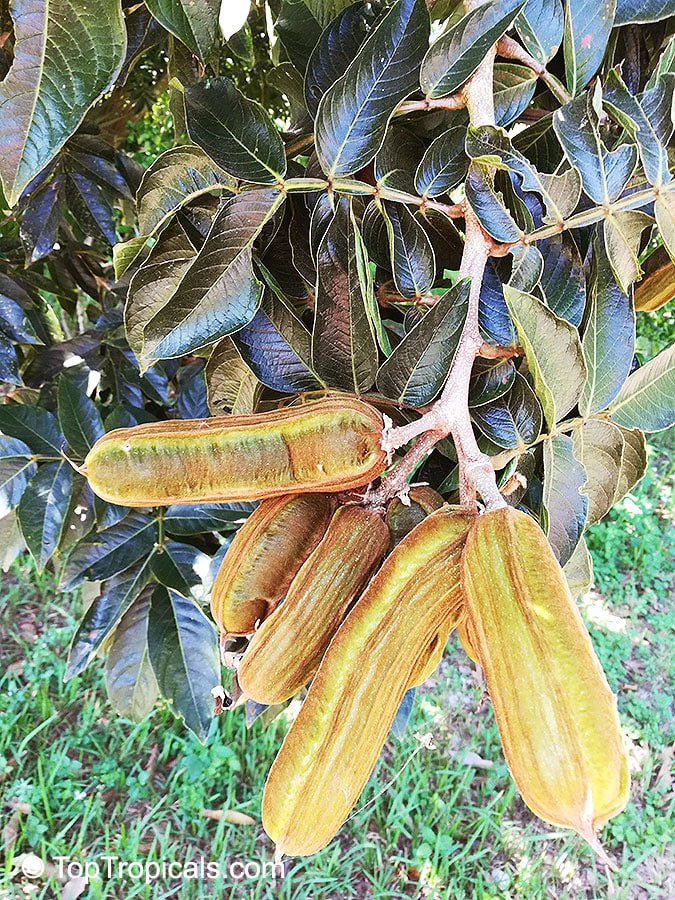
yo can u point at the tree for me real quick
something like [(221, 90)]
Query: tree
[(451, 231)]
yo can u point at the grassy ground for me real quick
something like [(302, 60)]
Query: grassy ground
[(445, 821)]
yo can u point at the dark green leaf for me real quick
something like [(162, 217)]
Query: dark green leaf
[(604, 173), (153, 285), (277, 348), (412, 256), (559, 192), (579, 570), (628, 111), (336, 49), (129, 678), (194, 22), (565, 507), (562, 280), (199, 519), (91, 207), (109, 552), (514, 421), (79, 419), (599, 445), (553, 351), (493, 314), (41, 218), (34, 426), (353, 115), (643, 11), (444, 164), (540, 25), (183, 647), (587, 27), (514, 87), (398, 158), (609, 336), (237, 133), (344, 350), (299, 29), (527, 268), (103, 615), (176, 178), (16, 470), (43, 509), (9, 364), (417, 369), (664, 210), (230, 384), (622, 234), (219, 292), (488, 205), (458, 52), (13, 319), (646, 399), (490, 380), (66, 56), (181, 567)]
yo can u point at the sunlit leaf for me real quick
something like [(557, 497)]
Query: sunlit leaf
[(237, 133), (553, 351), (459, 51), (66, 55), (183, 648), (646, 399), (565, 506), (219, 292), (194, 22), (353, 114), (344, 351), (587, 27), (129, 678), (415, 372)]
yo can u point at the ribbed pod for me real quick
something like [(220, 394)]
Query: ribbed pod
[(326, 445), (556, 714), (401, 519), (286, 650), (264, 557), (335, 741), (467, 639)]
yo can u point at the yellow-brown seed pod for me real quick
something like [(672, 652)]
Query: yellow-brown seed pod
[(286, 650), (556, 715), (264, 557), (658, 284), (333, 745), (467, 639), (326, 445), (401, 519)]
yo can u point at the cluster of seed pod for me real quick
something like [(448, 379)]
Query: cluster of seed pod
[(359, 604)]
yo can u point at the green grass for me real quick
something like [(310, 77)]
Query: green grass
[(441, 822)]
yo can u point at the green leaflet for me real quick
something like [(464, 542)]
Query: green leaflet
[(66, 55)]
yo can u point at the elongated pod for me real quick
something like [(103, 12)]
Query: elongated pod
[(402, 517), (467, 639), (286, 650), (264, 557), (326, 445), (556, 715), (335, 741)]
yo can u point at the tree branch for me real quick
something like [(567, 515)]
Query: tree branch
[(449, 415), (510, 49)]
